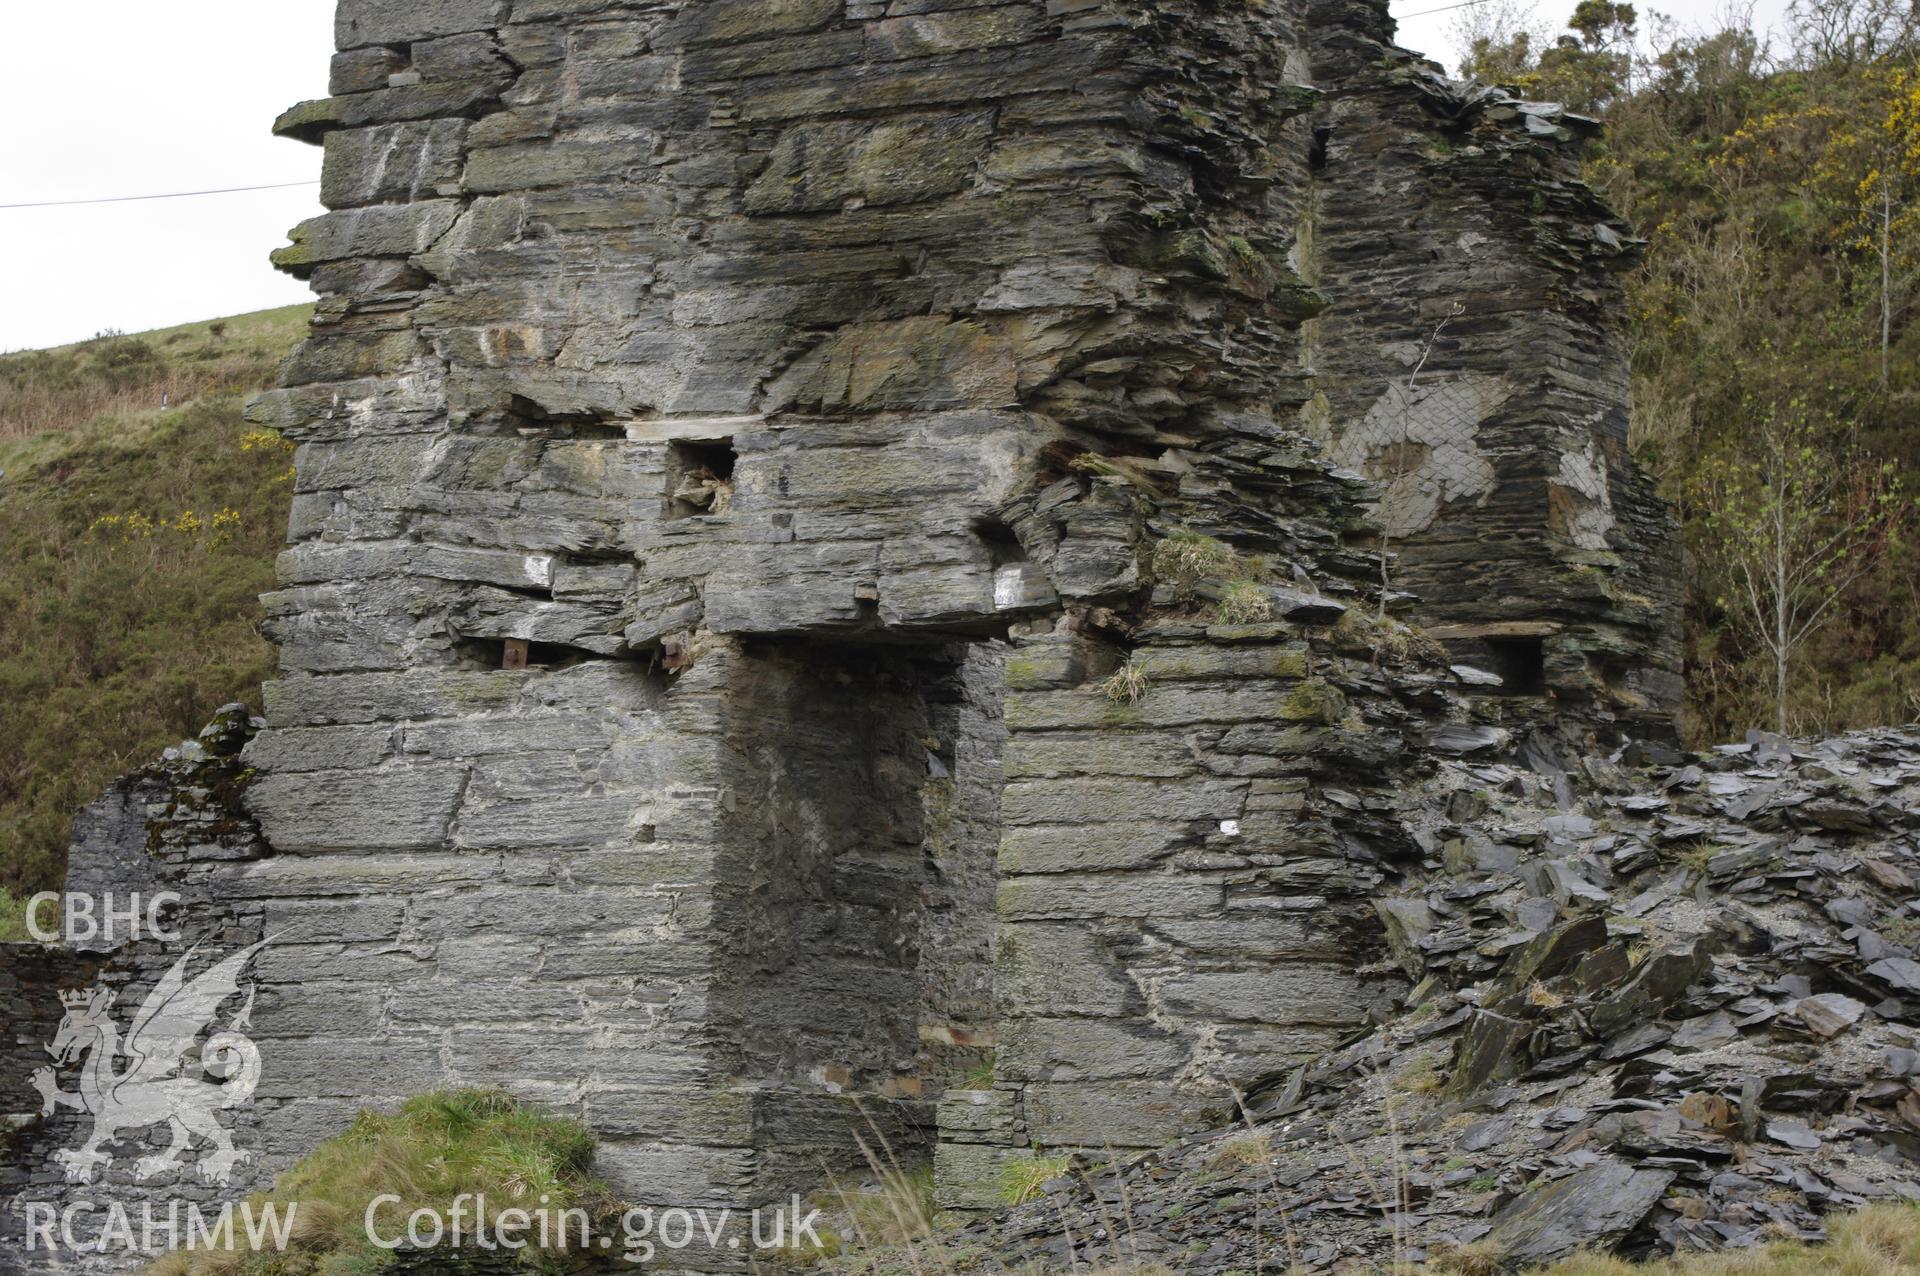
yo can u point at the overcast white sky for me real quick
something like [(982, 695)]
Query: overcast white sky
[(135, 97)]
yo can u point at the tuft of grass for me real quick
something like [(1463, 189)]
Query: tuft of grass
[(980, 1076), (1478, 1258), (1538, 994), (1185, 558), (1243, 602), (438, 1147), (1696, 854), (1128, 684), (1420, 1075), (1023, 1177), (1390, 641), (896, 1209), (1251, 1148), (1901, 929), (1880, 1240), (1119, 467), (137, 542)]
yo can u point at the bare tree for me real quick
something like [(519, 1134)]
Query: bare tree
[(1496, 39), (1793, 523), (1847, 33)]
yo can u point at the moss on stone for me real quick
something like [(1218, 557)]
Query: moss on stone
[(1315, 700)]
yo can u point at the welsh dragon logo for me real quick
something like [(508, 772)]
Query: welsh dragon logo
[(155, 1075)]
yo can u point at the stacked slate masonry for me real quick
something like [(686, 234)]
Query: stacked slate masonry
[(738, 446), (1535, 548)]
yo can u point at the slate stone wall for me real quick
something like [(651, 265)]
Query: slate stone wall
[(1473, 364), (177, 828), (32, 979), (738, 445), (700, 349), (1184, 893)]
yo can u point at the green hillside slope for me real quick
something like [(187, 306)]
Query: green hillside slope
[(134, 540)]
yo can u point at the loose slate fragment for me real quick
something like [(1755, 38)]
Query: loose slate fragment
[(1590, 1210), (1829, 1014), (1901, 972), (1793, 1134)]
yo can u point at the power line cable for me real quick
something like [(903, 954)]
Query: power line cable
[(130, 199), (1445, 8)]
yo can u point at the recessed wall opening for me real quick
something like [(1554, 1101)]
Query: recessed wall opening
[(699, 478), (1521, 664), (864, 830), (1003, 546), (529, 418), (521, 653)]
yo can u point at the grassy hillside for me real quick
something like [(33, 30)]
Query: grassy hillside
[(134, 539)]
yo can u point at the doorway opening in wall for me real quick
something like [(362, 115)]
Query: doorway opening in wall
[(862, 827)]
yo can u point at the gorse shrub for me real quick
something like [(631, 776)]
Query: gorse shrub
[(134, 546)]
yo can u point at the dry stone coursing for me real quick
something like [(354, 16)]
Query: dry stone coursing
[(736, 449), (1453, 208)]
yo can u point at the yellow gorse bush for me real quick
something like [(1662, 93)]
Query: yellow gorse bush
[(262, 441), (213, 532)]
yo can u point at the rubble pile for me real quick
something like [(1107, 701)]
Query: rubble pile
[(1656, 1003)]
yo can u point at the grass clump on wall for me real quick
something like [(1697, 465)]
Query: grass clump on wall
[(438, 1148)]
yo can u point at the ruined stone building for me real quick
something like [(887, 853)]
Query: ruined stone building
[(759, 641)]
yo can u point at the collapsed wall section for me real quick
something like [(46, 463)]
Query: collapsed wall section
[(148, 891), (1472, 364)]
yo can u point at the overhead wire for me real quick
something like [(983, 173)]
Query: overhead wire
[(131, 199)]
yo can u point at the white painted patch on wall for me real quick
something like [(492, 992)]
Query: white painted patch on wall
[(1422, 448), (1587, 515)]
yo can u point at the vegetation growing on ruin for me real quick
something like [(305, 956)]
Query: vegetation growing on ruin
[(1128, 684), (1184, 559), (438, 1149), (135, 540), (1243, 602), (13, 919), (896, 1208), (1879, 1240), (1025, 1177)]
